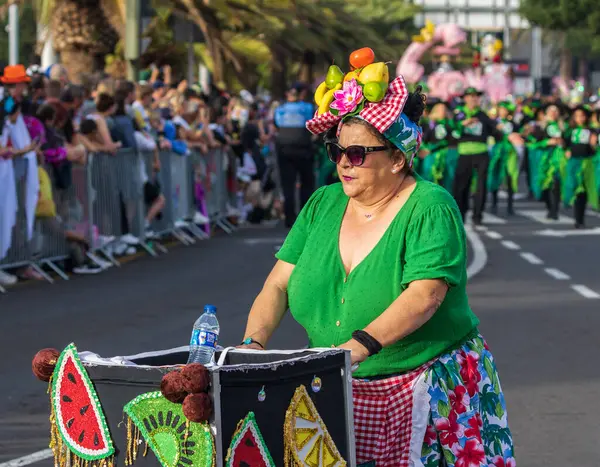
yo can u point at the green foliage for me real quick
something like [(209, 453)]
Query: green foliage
[(579, 20), (393, 19), (557, 15), (244, 36), (162, 48), (27, 35)]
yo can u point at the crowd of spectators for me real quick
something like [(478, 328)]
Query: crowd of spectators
[(52, 126)]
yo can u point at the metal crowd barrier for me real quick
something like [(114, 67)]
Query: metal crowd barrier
[(105, 198), (216, 172), (22, 251)]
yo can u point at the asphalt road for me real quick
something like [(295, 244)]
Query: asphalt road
[(541, 325)]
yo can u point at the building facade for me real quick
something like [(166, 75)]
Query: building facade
[(522, 44)]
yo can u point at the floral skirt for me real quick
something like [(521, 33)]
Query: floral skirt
[(448, 412)]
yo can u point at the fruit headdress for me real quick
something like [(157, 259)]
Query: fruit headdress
[(366, 92)]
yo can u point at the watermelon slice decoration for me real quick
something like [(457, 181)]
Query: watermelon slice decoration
[(175, 441), (248, 448), (76, 411)]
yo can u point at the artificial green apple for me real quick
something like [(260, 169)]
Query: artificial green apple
[(374, 91)]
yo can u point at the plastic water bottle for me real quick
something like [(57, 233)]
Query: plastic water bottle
[(204, 336)]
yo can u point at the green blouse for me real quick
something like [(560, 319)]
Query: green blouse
[(426, 240)]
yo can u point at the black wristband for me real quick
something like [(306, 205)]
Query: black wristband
[(368, 341), (249, 341)]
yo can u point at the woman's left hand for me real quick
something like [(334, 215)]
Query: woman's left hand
[(358, 352)]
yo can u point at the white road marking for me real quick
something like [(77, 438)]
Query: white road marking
[(510, 245), (489, 219), (493, 235), (29, 459), (582, 290), (502, 194), (589, 212), (531, 258), (479, 252), (259, 241), (568, 233), (557, 274), (539, 215)]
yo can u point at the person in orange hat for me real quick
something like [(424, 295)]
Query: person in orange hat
[(15, 82)]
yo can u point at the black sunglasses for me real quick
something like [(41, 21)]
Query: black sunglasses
[(356, 154)]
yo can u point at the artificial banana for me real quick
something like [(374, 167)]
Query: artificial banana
[(328, 99), (320, 92)]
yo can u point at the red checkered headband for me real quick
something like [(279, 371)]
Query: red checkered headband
[(386, 115)]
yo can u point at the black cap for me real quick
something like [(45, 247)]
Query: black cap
[(433, 101), (471, 91), (298, 86)]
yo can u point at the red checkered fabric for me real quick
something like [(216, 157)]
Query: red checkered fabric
[(321, 123), (383, 418), (379, 114)]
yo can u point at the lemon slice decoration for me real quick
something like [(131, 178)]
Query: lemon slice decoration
[(307, 440)]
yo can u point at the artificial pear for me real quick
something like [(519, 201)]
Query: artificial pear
[(334, 76), (375, 72), (352, 75)]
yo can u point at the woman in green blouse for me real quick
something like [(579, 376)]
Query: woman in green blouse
[(376, 265)]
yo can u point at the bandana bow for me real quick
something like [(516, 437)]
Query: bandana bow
[(384, 115), (379, 114)]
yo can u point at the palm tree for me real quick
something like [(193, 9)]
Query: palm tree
[(305, 31), (82, 31), (237, 32)]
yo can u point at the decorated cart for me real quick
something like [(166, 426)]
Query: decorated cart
[(250, 409)]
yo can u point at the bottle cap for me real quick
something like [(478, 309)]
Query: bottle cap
[(210, 308)]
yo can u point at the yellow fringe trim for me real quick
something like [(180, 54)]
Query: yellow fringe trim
[(134, 440)]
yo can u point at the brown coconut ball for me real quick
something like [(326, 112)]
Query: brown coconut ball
[(172, 387), (43, 363), (196, 378), (197, 407)]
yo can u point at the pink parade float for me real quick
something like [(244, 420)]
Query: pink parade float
[(489, 74)]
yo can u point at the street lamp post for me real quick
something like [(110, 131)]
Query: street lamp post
[(536, 57), (132, 37), (13, 34)]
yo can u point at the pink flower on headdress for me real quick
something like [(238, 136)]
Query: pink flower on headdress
[(348, 98)]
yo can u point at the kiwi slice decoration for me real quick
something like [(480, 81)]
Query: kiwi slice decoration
[(174, 440)]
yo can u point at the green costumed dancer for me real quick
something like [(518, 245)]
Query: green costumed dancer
[(595, 124), (547, 162), (504, 161), (437, 161), (475, 128), (531, 124), (580, 185)]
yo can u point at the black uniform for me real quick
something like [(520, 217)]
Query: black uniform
[(473, 156)]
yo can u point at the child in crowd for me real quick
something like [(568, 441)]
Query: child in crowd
[(256, 188), (54, 231), (59, 156)]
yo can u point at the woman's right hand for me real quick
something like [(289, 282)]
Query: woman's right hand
[(115, 147)]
